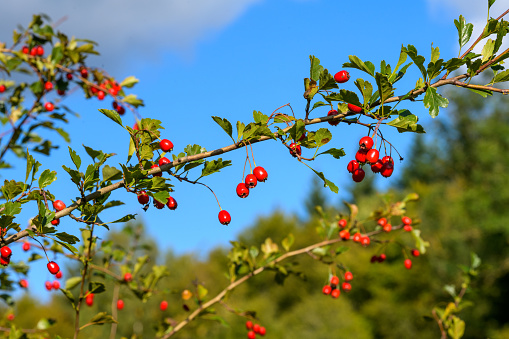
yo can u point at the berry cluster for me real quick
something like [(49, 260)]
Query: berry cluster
[(251, 180), (357, 237), (5, 257), (55, 285), (333, 289), (254, 329), (368, 154)]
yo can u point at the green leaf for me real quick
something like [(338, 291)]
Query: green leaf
[(69, 296), (355, 62), (259, 117), (102, 318), (288, 242), (420, 244), (418, 60), (433, 101), (68, 238), (162, 196), (319, 104), (316, 69), (435, 54), (240, 130), (133, 100), (75, 175), (45, 323), (57, 54), (214, 166), (327, 183), (365, 88), (47, 177), (225, 125), (336, 153), (96, 287), (129, 82), (113, 115), (406, 122), (482, 92), (75, 158), (475, 261), (72, 283), (501, 77), (464, 30), (454, 64), (125, 218), (346, 96), (451, 290), (385, 89), (490, 3), (11, 208), (341, 249), (202, 292), (327, 81), (488, 49), (111, 173), (297, 130), (457, 328), (395, 74), (322, 136)]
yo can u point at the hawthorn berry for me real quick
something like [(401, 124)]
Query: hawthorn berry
[(2, 88), (4, 261), (49, 106), (164, 161), (166, 145), (120, 304), (171, 203), (135, 126), (408, 264), (249, 324), (120, 110), (387, 169), (358, 175), (360, 156), (331, 122), (156, 174), (416, 253), (366, 143), (388, 159), (90, 299), (25, 50), (377, 166), (335, 293), (295, 149), (326, 289), (33, 51), (60, 92), (382, 257), (348, 276), (143, 198), (387, 228), (406, 220), (407, 228), (354, 108), (10, 316), (23, 283), (101, 95), (382, 222), (342, 223), (342, 76), (260, 173), (352, 166), (128, 277), (84, 73), (344, 234), (113, 91), (56, 284), (262, 331), (48, 285), (251, 181), (159, 205), (346, 287), (58, 205), (334, 280), (5, 252), (48, 86), (251, 335), (40, 51), (55, 222), (365, 241), (242, 190), (224, 217), (372, 156), (357, 237), (53, 267), (163, 305), (256, 328), (69, 76), (373, 259), (58, 275)]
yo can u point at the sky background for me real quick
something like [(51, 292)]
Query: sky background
[(197, 59)]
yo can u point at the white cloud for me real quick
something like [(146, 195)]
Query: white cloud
[(130, 28)]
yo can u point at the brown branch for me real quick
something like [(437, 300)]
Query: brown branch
[(440, 325), (480, 87)]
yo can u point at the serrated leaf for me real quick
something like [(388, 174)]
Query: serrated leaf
[(125, 218), (433, 101), (96, 287), (113, 115), (11, 208), (326, 81), (501, 77), (346, 96), (214, 166), (111, 173), (488, 49), (407, 122), (464, 30), (336, 153), (259, 117), (365, 88), (418, 60), (326, 183), (75, 158), (319, 104), (315, 69), (240, 129), (454, 64), (322, 136), (47, 177), (75, 175), (385, 89), (12, 188), (356, 62), (72, 282), (68, 238), (225, 125)]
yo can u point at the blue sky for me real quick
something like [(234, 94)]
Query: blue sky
[(195, 60)]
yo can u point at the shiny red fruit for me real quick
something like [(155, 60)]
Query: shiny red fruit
[(128, 277), (2, 88), (69, 76), (346, 287), (157, 174), (23, 283), (251, 181), (344, 234), (48, 86), (335, 293), (360, 156), (260, 173), (358, 175), (166, 145), (251, 335), (382, 221), (348, 276), (407, 228), (49, 106), (354, 108), (387, 228), (55, 222), (334, 280), (120, 304), (242, 190), (40, 51), (352, 166), (120, 110), (256, 328), (387, 159), (295, 150), (4, 261), (406, 220), (342, 223), (101, 95), (33, 51), (26, 246), (56, 284), (366, 143), (377, 166), (326, 290), (25, 50), (342, 76), (48, 285), (387, 169), (365, 241), (158, 205), (143, 198), (382, 257), (416, 253), (333, 112), (262, 331), (58, 205), (163, 305), (84, 73), (372, 156), (5, 252), (164, 161), (408, 264), (10, 317), (58, 275), (224, 217), (249, 324), (53, 267), (172, 203), (357, 237), (90, 299)]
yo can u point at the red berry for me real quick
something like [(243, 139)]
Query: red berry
[(382, 222), (69, 76), (163, 305), (242, 190), (360, 156), (387, 228), (224, 217), (159, 205), (120, 304), (408, 264), (60, 92), (372, 156), (49, 106), (55, 222), (6, 252), (354, 108), (406, 220), (334, 280), (157, 174), (10, 317), (387, 169), (115, 105), (249, 324), (260, 173), (58, 205), (251, 181), (407, 228), (25, 50), (366, 143), (40, 51), (342, 223), (342, 76), (23, 283), (101, 95), (128, 277), (387, 159), (333, 112), (53, 267), (48, 285), (143, 197), (4, 261), (352, 166), (33, 51), (48, 86), (326, 289), (84, 73), (113, 91), (90, 299), (416, 253), (120, 110), (344, 234), (373, 259), (2, 88), (262, 331), (365, 241), (335, 293), (58, 275), (382, 257), (357, 237), (135, 127), (164, 161), (377, 166), (166, 145), (358, 175), (348, 276), (295, 150), (171, 203), (346, 287), (56, 284), (251, 335), (256, 328)]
